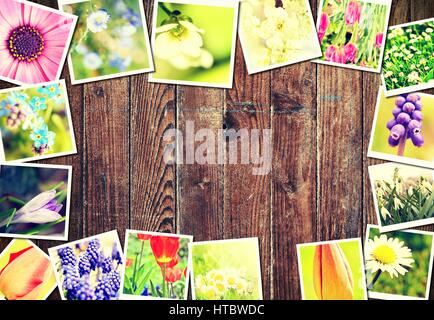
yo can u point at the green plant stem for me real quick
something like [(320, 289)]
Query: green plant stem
[(15, 200), (10, 218), (164, 8), (135, 272), (164, 281), (377, 275), (57, 186)]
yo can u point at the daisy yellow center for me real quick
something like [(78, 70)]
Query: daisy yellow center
[(26, 43), (38, 136), (384, 254)]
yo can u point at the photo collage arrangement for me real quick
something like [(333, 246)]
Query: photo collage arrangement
[(193, 43)]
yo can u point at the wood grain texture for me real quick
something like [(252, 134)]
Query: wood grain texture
[(318, 188)]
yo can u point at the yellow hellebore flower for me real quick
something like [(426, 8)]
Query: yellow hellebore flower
[(181, 45), (332, 276)]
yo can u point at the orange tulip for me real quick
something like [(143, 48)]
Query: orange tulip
[(24, 276), (165, 249), (332, 275), (129, 262), (173, 275)]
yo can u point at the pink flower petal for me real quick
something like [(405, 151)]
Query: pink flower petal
[(6, 62), (59, 33), (48, 67), (31, 73), (10, 11), (53, 53)]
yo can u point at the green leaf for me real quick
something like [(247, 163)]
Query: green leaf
[(43, 227), (143, 282), (427, 206), (11, 217)]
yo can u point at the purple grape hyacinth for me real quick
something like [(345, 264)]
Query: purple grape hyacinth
[(406, 123)]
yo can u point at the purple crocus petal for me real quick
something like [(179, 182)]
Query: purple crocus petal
[(403, 118), (400, 100), (390, 124), (396, 111), (38, 202), (418, 105), (53, 206), (414, 124), (408, 107), (417, 140), (417, 115), (393, 142), (397, 132), (412, 97)]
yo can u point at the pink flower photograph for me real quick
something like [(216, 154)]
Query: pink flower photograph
[(34, 41)]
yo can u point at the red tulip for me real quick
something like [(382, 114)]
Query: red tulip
[(352, 14), (323, 25), (25, 276), (143, 237), (129, 262), (379, 39), (165, 249), (170, 264), (173, 275), (350, 50)]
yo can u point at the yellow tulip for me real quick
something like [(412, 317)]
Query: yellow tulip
[(26, 275), (332, 275)]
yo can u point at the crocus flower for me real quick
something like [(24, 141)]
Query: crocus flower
[(332, 274), (350, 50), (165, 249), (379, 39), (41, 209), (323, 25), (173, 275), (352, 14), (32, 42), (25, 275)]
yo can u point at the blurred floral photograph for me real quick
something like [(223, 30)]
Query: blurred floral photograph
[(89, 269), (403, 195), (35, 123), (277, 33), (25, 272), (403, 129), (193, 42), (332, 270), (34, 201), (156, 266), (398, 264), (226, 270), (111, 39), (34, 41), (352, 33), (408, 64)]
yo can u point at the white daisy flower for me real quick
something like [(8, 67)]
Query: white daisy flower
[(388, 255), (97, 21), (92, 61)]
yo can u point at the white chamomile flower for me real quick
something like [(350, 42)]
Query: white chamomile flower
[(92, 61), (97, 21), (277, 23), (388, 255), (181, 45)]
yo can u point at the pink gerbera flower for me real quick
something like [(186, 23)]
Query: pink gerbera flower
[(32, 42)]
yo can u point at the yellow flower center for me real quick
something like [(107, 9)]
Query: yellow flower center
[(384, 254)]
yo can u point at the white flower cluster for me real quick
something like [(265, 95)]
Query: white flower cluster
[(274, 34), (222, 284)]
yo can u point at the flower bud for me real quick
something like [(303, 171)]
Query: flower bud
[(408, 107), (412, 97), (403, 118), (418, 105), (397, 132), (417, 115), (414, 124), (417, 140), (390, 124), (393, 142), (400, 100), (396, 111)]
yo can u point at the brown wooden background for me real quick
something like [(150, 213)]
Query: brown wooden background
[(318, 189)]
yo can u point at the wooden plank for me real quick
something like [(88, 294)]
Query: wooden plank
[(293, 92), (106, 156), (200, 186), (152, 181), (247, 197)]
